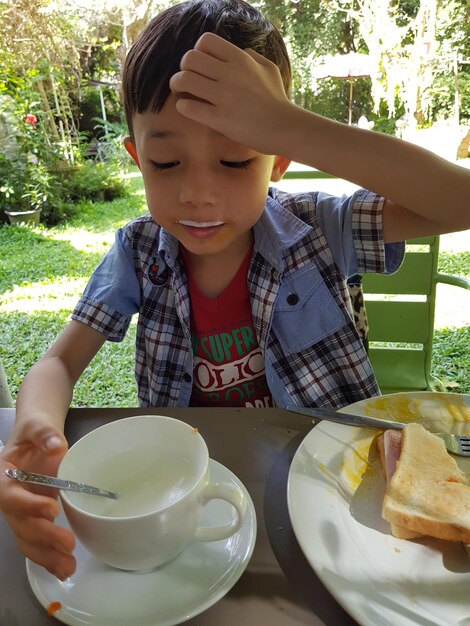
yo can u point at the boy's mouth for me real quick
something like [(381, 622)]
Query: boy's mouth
[(202, 230), (193, 224)]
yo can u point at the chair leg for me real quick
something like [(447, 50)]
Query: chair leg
[(5, 396), (435, 384)]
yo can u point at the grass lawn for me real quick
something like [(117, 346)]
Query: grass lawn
[(44, 270)]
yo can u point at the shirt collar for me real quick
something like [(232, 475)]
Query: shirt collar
[(277, 229), (168, 248)]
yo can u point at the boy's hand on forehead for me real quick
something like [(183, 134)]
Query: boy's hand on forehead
[(236, 92)]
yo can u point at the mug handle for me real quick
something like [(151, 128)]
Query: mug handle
[(232, 494)]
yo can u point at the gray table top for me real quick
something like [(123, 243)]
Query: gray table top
[(278, 587)]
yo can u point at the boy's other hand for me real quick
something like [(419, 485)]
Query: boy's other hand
[(236, 92), (30, 511)]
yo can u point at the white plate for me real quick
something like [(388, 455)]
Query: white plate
[(202, 574), (337, 520)]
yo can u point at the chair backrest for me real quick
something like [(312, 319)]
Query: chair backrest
[(400, 309)]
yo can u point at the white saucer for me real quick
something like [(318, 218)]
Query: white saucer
[(99, 595)]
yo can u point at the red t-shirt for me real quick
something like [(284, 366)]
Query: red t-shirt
[(228, 364)]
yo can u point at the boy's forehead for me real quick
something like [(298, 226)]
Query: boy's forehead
[(157, 118), (165, 117)]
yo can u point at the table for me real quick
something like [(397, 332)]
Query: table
[(278, 588)]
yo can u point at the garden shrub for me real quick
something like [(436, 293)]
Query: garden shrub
[(93, 181)]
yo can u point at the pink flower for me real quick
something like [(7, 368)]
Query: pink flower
[(30, 118)]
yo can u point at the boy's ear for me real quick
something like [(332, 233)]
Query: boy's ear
[(279, 167), (130, 147)]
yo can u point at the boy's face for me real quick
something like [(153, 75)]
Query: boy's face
[(202, 187)]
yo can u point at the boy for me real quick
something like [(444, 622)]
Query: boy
[(240, 289)]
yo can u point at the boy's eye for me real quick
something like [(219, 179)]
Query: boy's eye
[(237, 164), (163, 166)]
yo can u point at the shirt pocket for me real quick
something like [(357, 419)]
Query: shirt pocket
[(305, 312)]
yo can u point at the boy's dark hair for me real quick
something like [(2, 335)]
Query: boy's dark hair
[(156, 54)]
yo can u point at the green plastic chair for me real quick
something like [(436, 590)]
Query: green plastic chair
[(401, 319), (400, 311)]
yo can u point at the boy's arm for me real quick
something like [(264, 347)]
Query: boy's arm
[(37, 444), (425, 194), (47, 388), (240, 94)]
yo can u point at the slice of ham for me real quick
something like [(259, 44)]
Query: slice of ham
[(392, 449)]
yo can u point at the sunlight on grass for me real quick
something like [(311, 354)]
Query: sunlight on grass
[(54, 295), (108, 380), (43, 272), (452, 307), (84, 241)]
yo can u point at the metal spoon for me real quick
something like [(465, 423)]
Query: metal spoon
[(58, 483)]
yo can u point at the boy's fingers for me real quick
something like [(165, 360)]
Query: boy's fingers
[(57, 562), (223, 50), (193, 84), (217, 47), (46, 438), (259, 58), (201, 63), (24, 503), (36, 534), (43, 533), (199, 111)]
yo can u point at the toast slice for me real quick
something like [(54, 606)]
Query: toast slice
[(389, 460), (427, 494)]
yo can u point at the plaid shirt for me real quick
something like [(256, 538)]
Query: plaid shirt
[(306, 245)]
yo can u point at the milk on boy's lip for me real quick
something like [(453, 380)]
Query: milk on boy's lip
[(201, 230), (199, 224)]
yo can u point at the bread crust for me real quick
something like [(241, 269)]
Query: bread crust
[(397, 531), (379, 442), (427, 494)]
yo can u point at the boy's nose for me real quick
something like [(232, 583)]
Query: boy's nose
[(198, 187)]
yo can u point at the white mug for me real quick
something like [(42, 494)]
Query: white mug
[(159, 468)]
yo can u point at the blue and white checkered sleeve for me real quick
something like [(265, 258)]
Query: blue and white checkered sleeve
[(372, 254), (112, 295)]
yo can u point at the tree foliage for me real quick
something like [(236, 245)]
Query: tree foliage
[(414, 44), (40, 77), (38, 47)]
